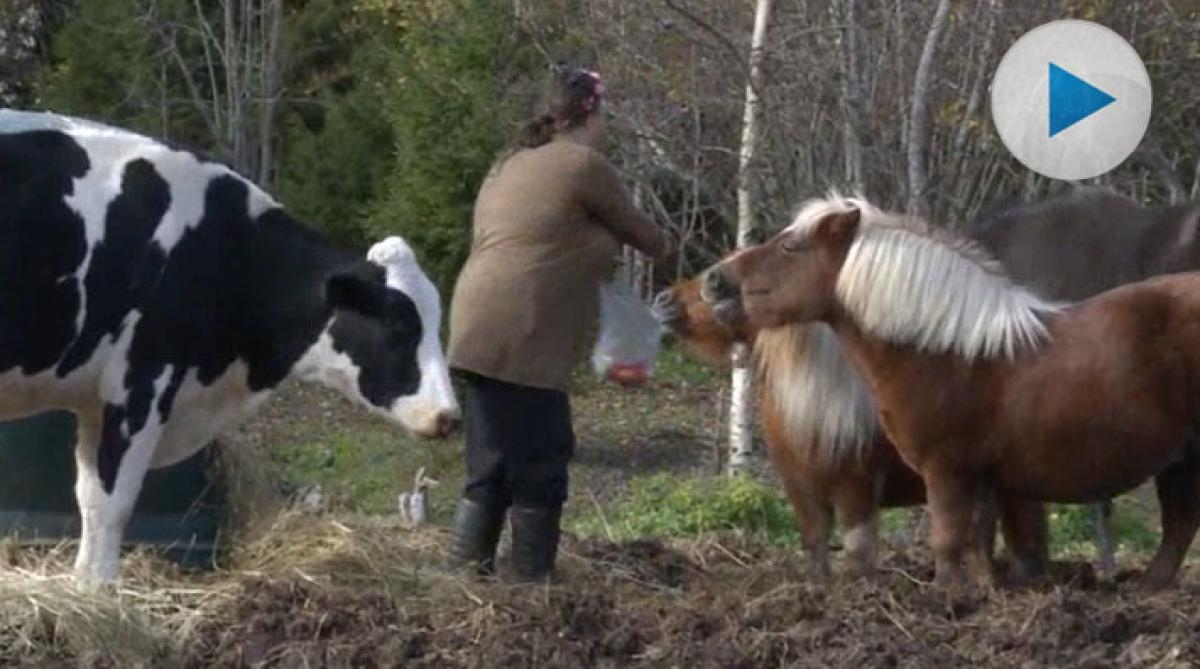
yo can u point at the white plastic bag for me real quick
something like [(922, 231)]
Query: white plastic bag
[(629, 336)]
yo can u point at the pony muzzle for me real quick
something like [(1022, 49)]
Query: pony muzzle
[(666, 308), (722, 296)]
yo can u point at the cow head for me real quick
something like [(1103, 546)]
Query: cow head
[(382, 346)]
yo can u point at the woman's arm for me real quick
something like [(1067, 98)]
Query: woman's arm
[(606, 199)]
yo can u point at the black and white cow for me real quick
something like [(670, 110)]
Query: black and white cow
[(161, 298)]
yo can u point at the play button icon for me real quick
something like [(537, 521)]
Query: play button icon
[(1071, 99)]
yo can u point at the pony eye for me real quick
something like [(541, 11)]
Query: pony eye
[(791, 246)]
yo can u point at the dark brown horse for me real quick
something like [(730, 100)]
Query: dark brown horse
[(984, 387), (1089, 240), (818, 425), (1083, 242)]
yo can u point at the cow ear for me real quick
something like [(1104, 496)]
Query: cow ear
[(357, 291), (840, 228)]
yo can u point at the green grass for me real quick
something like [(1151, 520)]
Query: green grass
[(363, 464), (663, 506), (672, 365), (363, 470), (1073, 528)]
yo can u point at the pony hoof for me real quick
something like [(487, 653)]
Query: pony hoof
[(856, 570), (820, 572), (952, 580)]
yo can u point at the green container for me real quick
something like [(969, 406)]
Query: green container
[(177, 512)]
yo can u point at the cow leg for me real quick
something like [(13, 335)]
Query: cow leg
[(1178, 488), (106, 493), (1105, 559)]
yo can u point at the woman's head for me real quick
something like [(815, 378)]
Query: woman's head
[(573, 105)]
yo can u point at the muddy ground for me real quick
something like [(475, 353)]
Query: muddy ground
[(327, 591), (351, 586), (717, 603)]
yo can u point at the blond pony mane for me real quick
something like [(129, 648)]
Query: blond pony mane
[(818, 393), (908, 283)]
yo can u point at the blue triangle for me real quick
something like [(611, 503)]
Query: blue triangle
[(1072, 99)]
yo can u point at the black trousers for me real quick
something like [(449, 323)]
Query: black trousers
[(519, 442)]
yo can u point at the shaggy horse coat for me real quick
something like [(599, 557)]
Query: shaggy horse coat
[(984, 387)]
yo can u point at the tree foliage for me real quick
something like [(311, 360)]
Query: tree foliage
[(450, 116), (388, 113)]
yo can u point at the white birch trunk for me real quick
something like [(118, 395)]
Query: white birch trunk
[(853, 107), (918, 138), (272, 64), (1196, 180), (741, 412)]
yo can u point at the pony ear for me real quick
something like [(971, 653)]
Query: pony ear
[(840, 228)]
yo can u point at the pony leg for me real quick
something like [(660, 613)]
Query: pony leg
[(814, 515), (815, 519), (981, 551), (818, 519), (1105, 559), (952, 504), (1178, 488), (105, 509), (1027, 537), (857, 506)]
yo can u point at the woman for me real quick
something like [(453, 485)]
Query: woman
[(549, 223)]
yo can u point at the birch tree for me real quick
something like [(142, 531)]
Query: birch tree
[(854, 108), (741, 413), (918, 135)]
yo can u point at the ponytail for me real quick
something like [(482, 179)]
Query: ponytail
[(573, 97)]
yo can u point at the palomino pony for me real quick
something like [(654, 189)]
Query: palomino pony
[(1066, 248), (820, 429), (984, 387)]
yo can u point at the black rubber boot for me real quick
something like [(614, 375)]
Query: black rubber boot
[(476, 532), (535, 534)]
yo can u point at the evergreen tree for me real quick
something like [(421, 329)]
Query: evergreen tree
[(106, 67), (452, 110), (337, 144)]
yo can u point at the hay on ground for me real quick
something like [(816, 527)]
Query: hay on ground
[(316, 590)]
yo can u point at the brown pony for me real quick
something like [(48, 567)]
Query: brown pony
[(826, 449), (985, 388)]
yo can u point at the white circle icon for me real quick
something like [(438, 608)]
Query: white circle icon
[(1071, 99)]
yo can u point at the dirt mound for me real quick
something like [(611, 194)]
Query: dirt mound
[(717, 603), (325, 592)]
